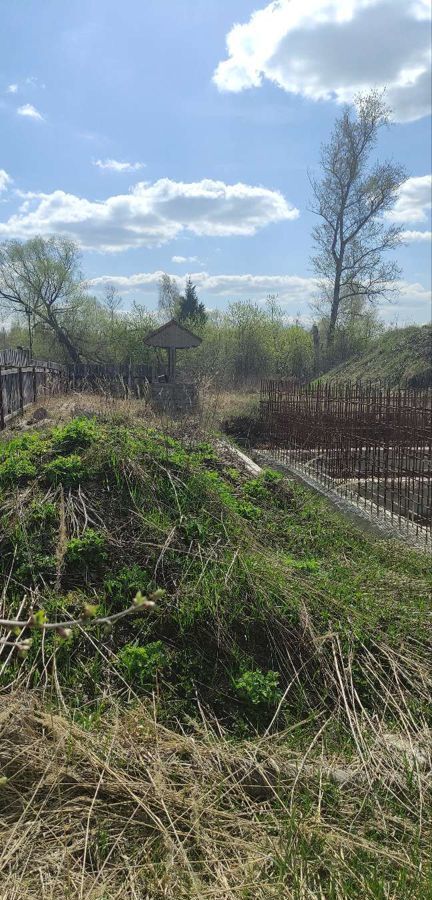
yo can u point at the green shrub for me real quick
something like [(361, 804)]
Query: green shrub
[(66, 470), (16, 468), (259, 689), (89, 549), (76, 435), (122, 587), (42, 514), (140, 665)]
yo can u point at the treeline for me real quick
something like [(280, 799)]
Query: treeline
[(44, 295), (240, 345)]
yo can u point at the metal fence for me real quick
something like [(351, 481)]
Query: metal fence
[(22, 385), (370, 444)]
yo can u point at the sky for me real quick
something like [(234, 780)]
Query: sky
[(177, 136)]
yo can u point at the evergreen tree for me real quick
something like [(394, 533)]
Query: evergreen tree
[(190, 307)]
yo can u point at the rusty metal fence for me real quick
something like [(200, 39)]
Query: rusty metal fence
[(370, 444)]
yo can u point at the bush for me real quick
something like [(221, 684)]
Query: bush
[(66, 470), (141, 664), (16, 468), (76, 435), (88, 549), (259, 689)]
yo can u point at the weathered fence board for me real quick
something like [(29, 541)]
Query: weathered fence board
[(366, 442), (118, 380), (20, 386)]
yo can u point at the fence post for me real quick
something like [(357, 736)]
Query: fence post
[(2, 415), (34, 385), (20, 389)]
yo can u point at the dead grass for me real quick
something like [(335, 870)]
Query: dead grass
[(128, 808), (134, 810), (216, 406)]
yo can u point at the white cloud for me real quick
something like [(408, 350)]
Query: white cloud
[(411, 236), (30, 112), (5, 180), (412, 304), (151, 214), (414, 201), (332, 49), (295, 293), (290, 288), (114, 165), (184, 259), (12, 89)]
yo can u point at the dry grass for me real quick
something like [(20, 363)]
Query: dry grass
[(216, 406), (336, 806), (135, 810)]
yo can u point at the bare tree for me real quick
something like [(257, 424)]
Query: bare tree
[(169, 295), (112, 302), (41, 280), (351, 198)]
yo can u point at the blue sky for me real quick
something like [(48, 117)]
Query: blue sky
[(177, 136)]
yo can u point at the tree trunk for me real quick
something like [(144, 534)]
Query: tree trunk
[(334, 307), (64, 340)]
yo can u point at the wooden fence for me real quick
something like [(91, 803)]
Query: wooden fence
[(24, 381), (117, 380), (370, 444), (22, 385)]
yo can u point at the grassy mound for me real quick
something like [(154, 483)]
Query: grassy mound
[(400, 356), (278, 692)]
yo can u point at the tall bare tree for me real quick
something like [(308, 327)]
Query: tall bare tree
[(112, 303), (169, 296), (40, 279), (351, 198)]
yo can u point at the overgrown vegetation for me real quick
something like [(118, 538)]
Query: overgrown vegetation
[(262, 733), (399, 357)]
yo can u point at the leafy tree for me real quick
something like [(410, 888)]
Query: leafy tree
[(350, 199), (112, 301), (190, 307), (357, 327), (169, 296), (40, 279)]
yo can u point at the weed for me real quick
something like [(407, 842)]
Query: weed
[(78, 434), (17, 469), (88, 550), (259, 688), (141, 665), (69, 471), (121, 588)]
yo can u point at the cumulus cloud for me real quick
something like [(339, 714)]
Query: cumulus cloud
[(410, 236), (184, 259), (12, 89), (412, 304), (29, 111), (289, 288), (5, 180), (114, 165), (150, 214), (414, 201), (332, 49), (294, 292)]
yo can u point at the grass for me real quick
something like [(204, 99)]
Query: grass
[(400, 356), (265, 732)]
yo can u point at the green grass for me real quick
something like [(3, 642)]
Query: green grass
[(400, 356), (284, 632)]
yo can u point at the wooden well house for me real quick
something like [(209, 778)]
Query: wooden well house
[(172, 337)]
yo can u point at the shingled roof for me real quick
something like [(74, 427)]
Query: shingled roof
[(173, 335)]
